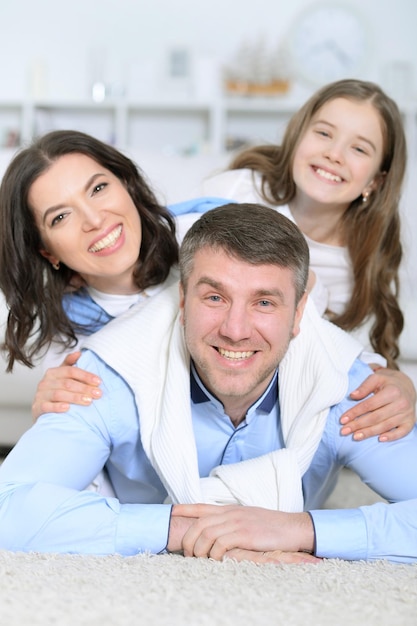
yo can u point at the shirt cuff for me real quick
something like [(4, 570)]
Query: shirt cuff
[(142, 528), (340, 533)]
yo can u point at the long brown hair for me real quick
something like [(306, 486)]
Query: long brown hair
[(371, 230), (32, 289)]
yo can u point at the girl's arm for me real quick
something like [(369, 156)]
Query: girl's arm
[(389, 413)]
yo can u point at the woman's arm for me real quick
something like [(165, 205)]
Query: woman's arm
[(65, 385)]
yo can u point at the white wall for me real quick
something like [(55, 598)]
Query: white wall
[(134, 37)]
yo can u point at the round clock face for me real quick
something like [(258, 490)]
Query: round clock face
[(327, 42)]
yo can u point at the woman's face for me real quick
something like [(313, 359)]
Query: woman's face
[(339, 157), (87, 220)]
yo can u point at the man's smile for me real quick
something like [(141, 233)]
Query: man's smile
[(238, 355)]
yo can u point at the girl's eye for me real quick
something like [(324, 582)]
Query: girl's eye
[(360, 149), (323, 133)]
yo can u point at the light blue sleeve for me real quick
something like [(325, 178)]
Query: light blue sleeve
[(378, 531), (197, 205), (42, 505), (370, 533)]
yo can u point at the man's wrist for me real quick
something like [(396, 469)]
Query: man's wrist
[(311, 534), (178, 526)]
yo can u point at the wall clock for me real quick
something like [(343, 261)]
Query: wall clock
[(327, 42)]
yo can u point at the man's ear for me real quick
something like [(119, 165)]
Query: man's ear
[(182, 301), (53, 260), (299, 314)]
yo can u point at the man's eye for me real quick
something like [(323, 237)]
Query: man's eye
[(215, 298), (265, 303)]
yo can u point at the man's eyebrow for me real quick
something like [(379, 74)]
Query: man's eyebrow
[(359, 137), (259, 293), (58, 207), (206, 280)]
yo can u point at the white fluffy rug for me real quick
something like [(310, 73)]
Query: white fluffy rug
[(169, 590)]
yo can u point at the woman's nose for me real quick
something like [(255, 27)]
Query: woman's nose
[(91, 217)]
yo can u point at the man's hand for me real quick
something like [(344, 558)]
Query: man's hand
[(389, 413), (222, 529), (65, 385), (274, 556), (178, 527)]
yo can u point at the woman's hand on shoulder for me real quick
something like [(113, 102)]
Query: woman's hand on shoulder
[(389, 413), (65, 385)]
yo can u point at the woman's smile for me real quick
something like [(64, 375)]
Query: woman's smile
[(108, 241)]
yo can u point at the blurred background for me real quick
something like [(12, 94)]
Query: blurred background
[(189, 76)]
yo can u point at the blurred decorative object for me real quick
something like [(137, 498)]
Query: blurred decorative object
[(206, 77), (97, 74), (11, 138), (178, 73), (328, 41), (38, 79), (257, 71)]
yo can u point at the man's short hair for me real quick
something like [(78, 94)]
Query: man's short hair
[(253, 233)]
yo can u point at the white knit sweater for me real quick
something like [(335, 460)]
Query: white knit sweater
[(146, 347)]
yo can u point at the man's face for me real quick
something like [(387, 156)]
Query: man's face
[(238, 321)]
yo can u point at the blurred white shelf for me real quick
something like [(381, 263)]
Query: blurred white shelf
[(173, 124)]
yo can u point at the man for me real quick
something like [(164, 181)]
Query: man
[(235, 400)]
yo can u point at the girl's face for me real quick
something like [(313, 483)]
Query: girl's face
[(339, 156), (87, 220)]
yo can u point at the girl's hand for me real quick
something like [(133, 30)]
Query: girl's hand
[(389, 413), (65, 385)]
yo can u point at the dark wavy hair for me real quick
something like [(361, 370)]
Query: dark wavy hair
[(32, 289), (371, 230)]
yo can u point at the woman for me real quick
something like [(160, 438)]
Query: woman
[(85, 238), (106, 237)]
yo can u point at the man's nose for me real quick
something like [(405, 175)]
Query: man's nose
[(236, 324)]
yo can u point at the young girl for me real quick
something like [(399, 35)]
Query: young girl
[(338, 174)]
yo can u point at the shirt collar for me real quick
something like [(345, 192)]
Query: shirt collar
[(265, 403)]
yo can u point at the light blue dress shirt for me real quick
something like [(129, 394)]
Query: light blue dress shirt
[(43, 506)]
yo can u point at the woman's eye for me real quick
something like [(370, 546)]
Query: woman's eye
[(57, 219), (99, 187)]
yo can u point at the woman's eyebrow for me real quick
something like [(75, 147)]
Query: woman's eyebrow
[(57, 207)]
